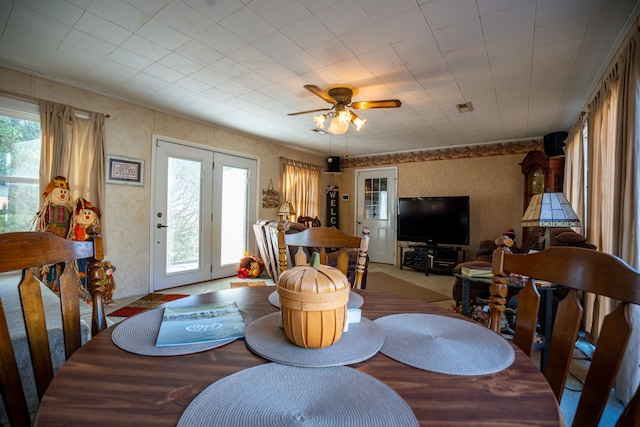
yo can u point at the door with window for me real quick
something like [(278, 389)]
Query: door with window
[(204, 204), (376, 209)]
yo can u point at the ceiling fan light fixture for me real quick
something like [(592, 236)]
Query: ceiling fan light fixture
[(357, 121), (319, 120), (339, 125)]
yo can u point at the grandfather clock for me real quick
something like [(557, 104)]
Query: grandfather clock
[(540, 173)]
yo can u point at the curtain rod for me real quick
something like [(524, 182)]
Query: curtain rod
[(35, 100)]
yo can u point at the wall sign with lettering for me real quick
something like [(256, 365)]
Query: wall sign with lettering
[(333, 219)]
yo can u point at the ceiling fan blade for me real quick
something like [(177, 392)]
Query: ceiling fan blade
[(319, 92), (310, 111), (387, 103)]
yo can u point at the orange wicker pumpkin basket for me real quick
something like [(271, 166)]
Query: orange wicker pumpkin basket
[(313, 300)]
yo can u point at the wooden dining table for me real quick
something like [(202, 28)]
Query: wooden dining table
[(103, 385)]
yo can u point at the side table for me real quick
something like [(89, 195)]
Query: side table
[(546, 306)]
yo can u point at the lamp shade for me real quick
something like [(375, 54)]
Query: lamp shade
[(286, 209), (550, 210)]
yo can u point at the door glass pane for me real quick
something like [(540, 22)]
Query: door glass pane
[(375, 198), (184, 188), (233, 239), (19, 171)]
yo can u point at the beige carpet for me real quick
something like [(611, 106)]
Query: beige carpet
[(378, 281)]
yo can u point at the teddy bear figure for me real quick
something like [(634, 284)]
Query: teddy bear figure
[(55, 215)]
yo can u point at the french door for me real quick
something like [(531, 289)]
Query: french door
[(204, 205)]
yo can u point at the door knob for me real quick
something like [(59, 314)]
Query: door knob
[(162, 226)]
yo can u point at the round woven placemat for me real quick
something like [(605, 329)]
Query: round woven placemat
[(276, 395), (355, 300), (138, 335), (266, 337), (444, 344)]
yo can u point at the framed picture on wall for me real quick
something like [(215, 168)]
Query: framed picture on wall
[(125, 170)]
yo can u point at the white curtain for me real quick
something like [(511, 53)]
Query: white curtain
[(301, 187), (612, 215), (73, 146)]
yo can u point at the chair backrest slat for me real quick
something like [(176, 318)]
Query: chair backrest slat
[(320, 239), (26, 252), (581, 270)]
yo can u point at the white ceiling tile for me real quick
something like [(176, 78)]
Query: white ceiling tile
[(179, 63), (509, 22), (308, 32), (348, 69), (364, 39), (38, 23), (301, 62), (117, 69), (444, 13), (221, 40), (247, 25), (59, 10), (125, 57), (460, 35), (199, 52), (183, 18), (278, 46), (149, 81), (215, 10), (120, 13), (102, 29), (192, 85), (343, 17), (88, 43), (406, 25), (164, 73), (379, 10), (150, 7), (144, 47), (162, 34), (523, 81), (279, 13), (331, 52)]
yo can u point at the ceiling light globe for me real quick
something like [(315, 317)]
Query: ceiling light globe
[(337, 126)]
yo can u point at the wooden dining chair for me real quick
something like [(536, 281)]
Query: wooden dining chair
[(24, 251), (333, 247), (580, 270)]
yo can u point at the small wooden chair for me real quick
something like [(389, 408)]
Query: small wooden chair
[(581, 270), (319, 239), (24, 251)]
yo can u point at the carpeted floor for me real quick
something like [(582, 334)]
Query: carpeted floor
[(383, 282)]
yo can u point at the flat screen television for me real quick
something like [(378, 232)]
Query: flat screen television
[(434, 220)]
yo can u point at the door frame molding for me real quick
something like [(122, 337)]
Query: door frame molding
[(154, 145)]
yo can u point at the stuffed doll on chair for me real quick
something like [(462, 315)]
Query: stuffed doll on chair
[(54, 217), (85, 215)]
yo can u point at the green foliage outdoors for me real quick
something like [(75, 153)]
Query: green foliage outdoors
[(19, 158)]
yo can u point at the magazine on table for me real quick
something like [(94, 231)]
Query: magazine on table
[(476, 272), (199, 324)]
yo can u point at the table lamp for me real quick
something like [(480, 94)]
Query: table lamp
[(549, 210), (286, 210)]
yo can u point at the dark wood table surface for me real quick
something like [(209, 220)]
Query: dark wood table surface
[(102, 385)]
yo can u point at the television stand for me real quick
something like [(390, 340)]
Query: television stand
[(439, 259)]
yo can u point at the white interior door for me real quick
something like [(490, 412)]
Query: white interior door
[(376, 209), (204, 205)]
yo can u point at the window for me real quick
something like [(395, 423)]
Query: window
[(19, 164)]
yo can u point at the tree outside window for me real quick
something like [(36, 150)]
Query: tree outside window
[(19, 169)]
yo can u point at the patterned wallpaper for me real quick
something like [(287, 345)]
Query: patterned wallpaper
[(490, 175)]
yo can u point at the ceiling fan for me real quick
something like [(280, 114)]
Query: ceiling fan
[(340, 96)]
